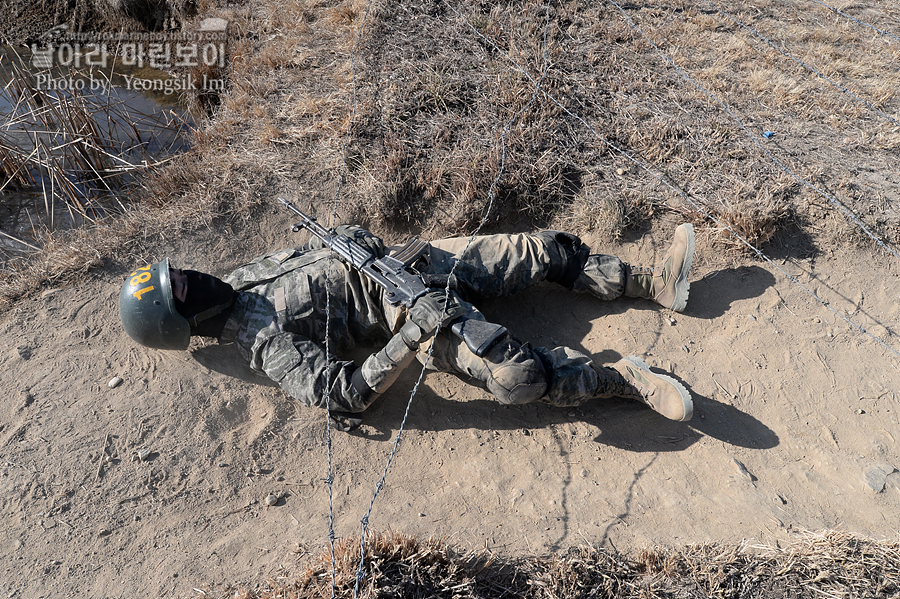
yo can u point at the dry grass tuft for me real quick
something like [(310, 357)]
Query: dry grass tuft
[(755, 215), (827, 563)]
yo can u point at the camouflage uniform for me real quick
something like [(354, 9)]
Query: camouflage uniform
[(280, 323)]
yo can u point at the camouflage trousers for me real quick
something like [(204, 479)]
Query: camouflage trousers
[(501, 265)]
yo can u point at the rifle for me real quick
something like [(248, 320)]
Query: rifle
[(394, 273)]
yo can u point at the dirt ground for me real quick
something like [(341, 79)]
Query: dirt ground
[(795, 428), (795, 424)]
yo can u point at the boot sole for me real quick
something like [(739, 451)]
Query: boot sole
[(682, 285), (686, 401)]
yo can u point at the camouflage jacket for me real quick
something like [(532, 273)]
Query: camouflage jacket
[(281, 327)]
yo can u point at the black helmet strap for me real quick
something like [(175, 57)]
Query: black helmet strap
[(207, 298), (196, 319)]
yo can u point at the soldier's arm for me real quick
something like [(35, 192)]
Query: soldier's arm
[(302, 370)]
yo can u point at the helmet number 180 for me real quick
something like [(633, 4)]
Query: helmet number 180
[(138, 278)]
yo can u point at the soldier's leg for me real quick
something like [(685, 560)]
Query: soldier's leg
[(666, 283), (500, 265), (516, 373)]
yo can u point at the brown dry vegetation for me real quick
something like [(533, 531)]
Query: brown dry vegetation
[(432, 98), (827, 564)]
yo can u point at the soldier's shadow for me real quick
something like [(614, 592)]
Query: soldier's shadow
[(550, 316), (625, 424), (712, 295)]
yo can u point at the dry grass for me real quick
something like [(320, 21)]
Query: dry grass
[(424, 147), (424, 150), (823, 564)]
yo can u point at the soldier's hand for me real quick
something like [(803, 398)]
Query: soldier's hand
[(425, 315), (363, 238)]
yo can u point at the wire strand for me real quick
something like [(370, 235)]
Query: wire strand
[(834, 201), (662, 179), (857, 21), (334, 207), (364, 521)]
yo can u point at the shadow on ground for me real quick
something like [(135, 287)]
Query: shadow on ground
[(713, 295)]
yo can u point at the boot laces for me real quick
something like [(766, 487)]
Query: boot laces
[(616, 385)]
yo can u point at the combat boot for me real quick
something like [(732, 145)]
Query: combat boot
[(666, 283), (630, 378)]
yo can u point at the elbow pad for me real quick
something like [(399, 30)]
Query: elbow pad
[(381, 369)]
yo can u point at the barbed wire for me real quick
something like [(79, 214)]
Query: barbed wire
[(538, 90), (334, 207), (329, 477), (857, 21), (360, 572), (663, 179), (834, 201), (803, 64)]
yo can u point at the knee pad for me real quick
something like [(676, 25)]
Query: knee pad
[(568, 255), (517, 376)]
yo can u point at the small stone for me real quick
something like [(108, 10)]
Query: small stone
[(877, 475), (223, 465), (892, 481), (143, 454), (24, 352), (271, 499), (620, 171), (27, 399), (743, 470), (114, 382), (860, 411)]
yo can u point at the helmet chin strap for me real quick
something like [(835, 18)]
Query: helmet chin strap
[(196, 319), (207, 297)]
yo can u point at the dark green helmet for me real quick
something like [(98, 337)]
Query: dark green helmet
[(147, 309)]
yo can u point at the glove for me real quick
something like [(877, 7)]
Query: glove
[(425, 315), (365, 239), (345, 421)]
